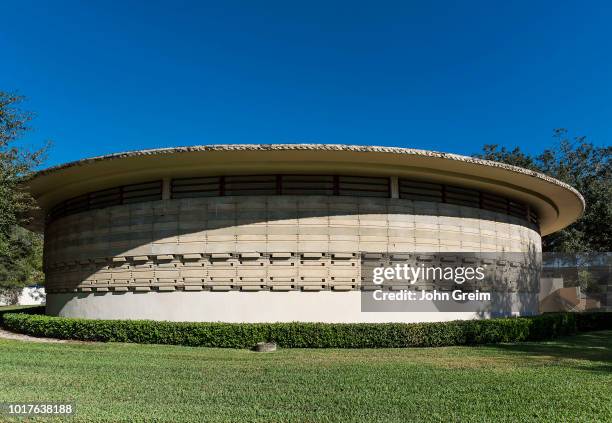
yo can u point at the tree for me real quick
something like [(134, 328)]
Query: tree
[(20, 250), (586, 167)]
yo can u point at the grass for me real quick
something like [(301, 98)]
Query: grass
[(566, 380)]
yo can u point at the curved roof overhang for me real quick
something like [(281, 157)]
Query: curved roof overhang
[(556, 203)]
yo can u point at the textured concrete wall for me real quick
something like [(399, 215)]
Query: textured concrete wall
[(275, 243)]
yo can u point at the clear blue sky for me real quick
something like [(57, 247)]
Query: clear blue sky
[(450, 76)]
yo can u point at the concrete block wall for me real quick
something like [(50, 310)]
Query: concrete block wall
[(261, 242)]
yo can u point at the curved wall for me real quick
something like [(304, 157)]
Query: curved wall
[(143, 260)]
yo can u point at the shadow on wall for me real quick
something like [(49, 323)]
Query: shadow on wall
[(525, 279), (85, 243)]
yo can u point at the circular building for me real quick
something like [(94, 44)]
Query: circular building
[(265, 233)]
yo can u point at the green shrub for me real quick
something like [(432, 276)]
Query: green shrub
[(552, 325), (311, 335), (593, 321)]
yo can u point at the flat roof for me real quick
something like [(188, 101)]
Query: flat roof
[(556, 203)]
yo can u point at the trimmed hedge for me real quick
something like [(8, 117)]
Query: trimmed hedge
[(311, 335)]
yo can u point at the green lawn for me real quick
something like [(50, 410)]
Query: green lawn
[(566, 380)]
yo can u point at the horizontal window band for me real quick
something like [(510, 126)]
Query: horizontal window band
[(292, 185)]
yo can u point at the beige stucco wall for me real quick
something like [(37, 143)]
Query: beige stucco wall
[(254, 243)]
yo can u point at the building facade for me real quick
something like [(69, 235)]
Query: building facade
[(258, 233)]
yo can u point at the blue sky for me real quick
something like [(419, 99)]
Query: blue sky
[(112, 76)]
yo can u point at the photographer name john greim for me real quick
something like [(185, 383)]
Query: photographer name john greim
[(434, 295)]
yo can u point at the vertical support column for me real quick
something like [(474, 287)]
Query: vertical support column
[(394, 187), (166, 189)]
